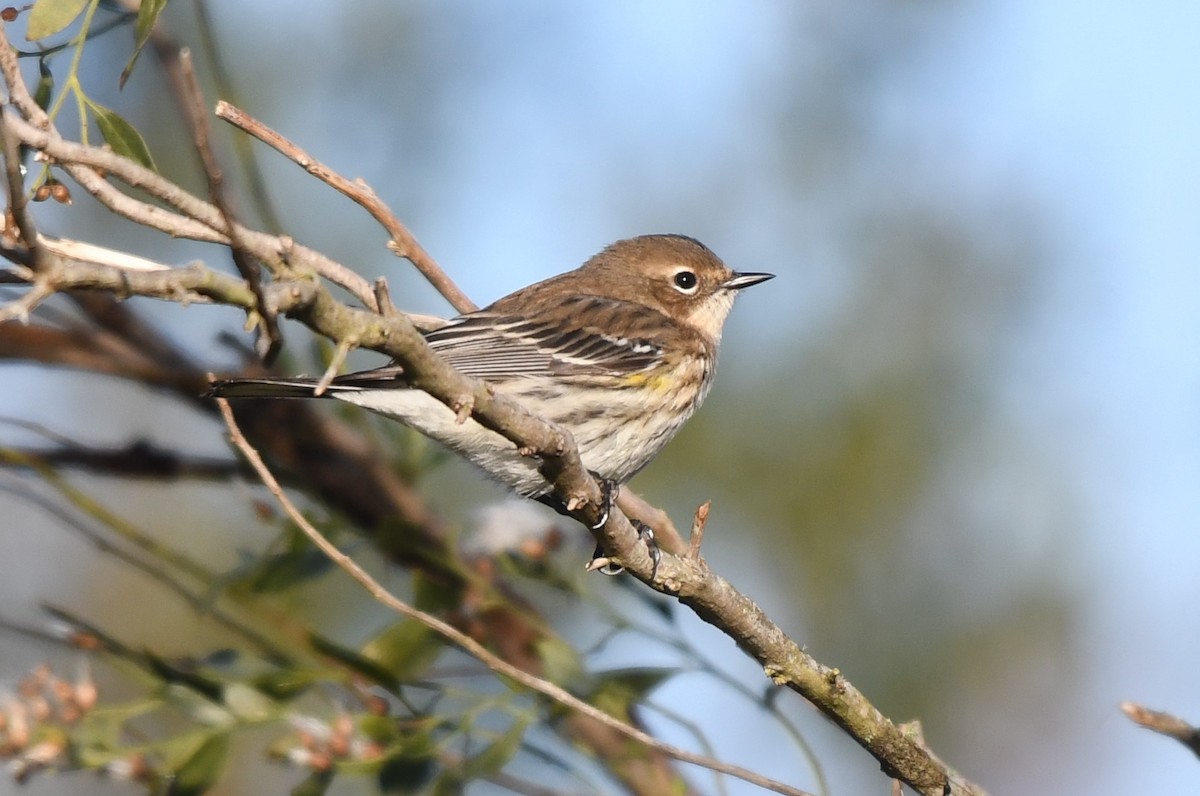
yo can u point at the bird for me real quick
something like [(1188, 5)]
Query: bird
[(620, 352)]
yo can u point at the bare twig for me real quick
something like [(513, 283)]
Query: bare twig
[(20, 310), (136, 460), (697, 536), (383, 297), (244, 148), (269, 339), (335, 366), (174, 224), (80, 349), (402, 243), (184, 285), (1164, 724), (196, 218), (18, 202), (468, 644)]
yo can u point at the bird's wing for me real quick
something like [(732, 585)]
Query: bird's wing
[(489, 345), (494, 345)]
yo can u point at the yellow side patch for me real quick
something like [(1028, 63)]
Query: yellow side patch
[(658, 382)]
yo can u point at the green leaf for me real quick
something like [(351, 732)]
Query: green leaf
[(404, 775), (247, 703), (560, 661), (99, 733), (496, 755), (411, 737), (202, 769), (364, 666), (316, 784), (286, 684), (148, 13), (619, 690), (173, 674), (119, 134), (282, 571), (50, 16), (637, 681), (406, 649), (434, 595), (448, 783)]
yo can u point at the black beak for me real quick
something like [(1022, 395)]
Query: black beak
[(739, 281)]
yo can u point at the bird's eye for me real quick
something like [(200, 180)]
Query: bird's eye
[(686, 281)]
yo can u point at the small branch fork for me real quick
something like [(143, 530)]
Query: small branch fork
[(295, 290), (197, 114), (403, 243)]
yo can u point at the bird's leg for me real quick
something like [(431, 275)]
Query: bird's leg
[(646, 534), (609, 567), (609, 489)]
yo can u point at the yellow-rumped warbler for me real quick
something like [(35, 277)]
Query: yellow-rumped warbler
[(620, 352)]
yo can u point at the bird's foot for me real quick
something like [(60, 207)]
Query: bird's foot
[(609, 489), (605, 565)]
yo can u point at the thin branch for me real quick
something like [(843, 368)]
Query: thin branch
[(35, 255), (468, 644), (403, 243), (1164, 724), (36, 633), (18, 92), (133, 174), (20, 310), (82, 349), (167, 50), (190, 284), (200, 220), (335, 366), (174, 224), (18, 202), (136, 460), (383, 297), (196, 113), (697, 537)]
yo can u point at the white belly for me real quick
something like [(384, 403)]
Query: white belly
[(483, 447)]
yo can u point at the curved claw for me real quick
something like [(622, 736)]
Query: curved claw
[(602, 563), (646, 534), (608, 489)]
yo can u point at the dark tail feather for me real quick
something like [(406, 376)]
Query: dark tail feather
[(270, 388)]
